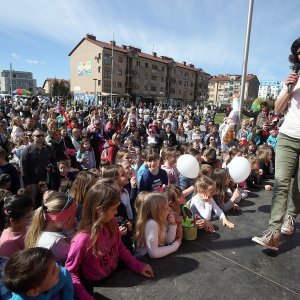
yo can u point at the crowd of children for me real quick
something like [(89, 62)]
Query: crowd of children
[(121, 200)]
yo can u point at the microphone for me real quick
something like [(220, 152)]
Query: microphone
[(295, 68)]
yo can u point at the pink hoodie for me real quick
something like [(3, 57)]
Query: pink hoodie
[(97, 267)]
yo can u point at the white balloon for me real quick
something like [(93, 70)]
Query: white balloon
[(239, 169), (188, 166)]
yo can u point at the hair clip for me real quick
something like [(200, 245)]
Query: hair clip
[(7, 213)]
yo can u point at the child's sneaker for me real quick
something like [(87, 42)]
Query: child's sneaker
[(288, 226), (270, 239)]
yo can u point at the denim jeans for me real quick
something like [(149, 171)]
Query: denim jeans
[(286, 162)]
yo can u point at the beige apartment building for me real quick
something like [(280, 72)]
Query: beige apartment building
[(125, 72), (48, 84), (222, 87)]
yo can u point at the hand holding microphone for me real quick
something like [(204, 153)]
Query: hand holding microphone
[(293, 78)]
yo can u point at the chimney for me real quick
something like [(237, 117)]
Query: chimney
[(91, 36), (113, 43), (124, 47), (184, 63), (154, 54), (191, 65)]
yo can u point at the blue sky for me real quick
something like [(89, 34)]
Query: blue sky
[(38, 35)]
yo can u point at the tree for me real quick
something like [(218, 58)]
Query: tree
[(55, 88)]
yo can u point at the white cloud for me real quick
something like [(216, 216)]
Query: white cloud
[(30, 61), (15, 56)]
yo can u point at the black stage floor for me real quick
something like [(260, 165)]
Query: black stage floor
[(221, 265)]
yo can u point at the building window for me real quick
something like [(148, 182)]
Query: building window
[(185, 84), (179, 92), (120, 59), (119, 84), (180, 82), (163, 69), (146, 75), (107, 74), (146, 65), (161, 88), (186, 74), (99, 82), (145, 87), (153, 88), (119, 72), (99, 69), (154, 67), (153, 77), (174, 71), (162, 79), (114, 84), (107, 59), (138, 63)]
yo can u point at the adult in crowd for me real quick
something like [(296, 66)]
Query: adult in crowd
[(283, 212), (167, 137), (35, 162), (8, 168), (260, 117)]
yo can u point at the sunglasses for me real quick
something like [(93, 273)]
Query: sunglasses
[(39, 135)]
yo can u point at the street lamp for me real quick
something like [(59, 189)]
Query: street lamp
[(95, 80)]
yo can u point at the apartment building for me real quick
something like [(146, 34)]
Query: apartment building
[(125, 72), (20, 80), (268, 88), (223, 87)]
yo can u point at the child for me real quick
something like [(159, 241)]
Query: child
[(176, 199), (255, 178), (169, 156), (154, 178), (206, 170), (255, 135), (85, 156), (49, 226), (156, 227), (139, 201), (17, 211), (124, 212), (97, 248), (64, 173), (33, 274), (203, 203), (272, 139), (83, 182), (224, 197), (251, 148), (244, 131)]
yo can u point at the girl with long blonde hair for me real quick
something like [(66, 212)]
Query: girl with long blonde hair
[(50, 224), (97, 248), (156, 227)]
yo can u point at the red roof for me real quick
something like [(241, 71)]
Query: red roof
[(128, 49), (227, 77)]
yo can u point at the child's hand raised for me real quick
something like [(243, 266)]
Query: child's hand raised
[(225, 222), (147, 271), (171, 219)]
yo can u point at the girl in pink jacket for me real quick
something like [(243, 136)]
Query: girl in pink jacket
[(97, 248)]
